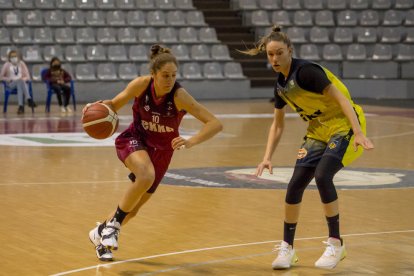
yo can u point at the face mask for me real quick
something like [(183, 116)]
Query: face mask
[(14, 60), (56, 66)]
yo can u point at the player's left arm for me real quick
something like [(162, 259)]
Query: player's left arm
[(184, 101), (360, 139)]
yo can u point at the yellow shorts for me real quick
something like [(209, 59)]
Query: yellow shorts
[(333, 137)]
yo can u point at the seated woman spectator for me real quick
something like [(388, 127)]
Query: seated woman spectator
[(58, 79), (15, 73)]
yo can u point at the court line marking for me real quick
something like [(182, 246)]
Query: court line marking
[(218, 247)]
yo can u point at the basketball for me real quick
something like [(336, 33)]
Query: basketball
[(99, 121)]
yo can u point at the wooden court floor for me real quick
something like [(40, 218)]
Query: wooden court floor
[(51, 196)]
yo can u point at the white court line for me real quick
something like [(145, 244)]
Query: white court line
[(218, 247)]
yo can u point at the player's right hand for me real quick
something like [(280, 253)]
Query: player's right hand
[(264, 165)]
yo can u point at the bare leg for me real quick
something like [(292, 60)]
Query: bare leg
[(331, 209), (292, 212)]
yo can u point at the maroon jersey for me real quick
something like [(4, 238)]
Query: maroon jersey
[(156, 120)]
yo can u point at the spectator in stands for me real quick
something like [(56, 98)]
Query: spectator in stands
[(335, 137), (15, 73), (58, 80)]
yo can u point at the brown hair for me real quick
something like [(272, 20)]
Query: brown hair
[(159, 57), (12, 52), (275, 34)]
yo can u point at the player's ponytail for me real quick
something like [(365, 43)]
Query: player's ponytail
[(159, 56), (275, 34)]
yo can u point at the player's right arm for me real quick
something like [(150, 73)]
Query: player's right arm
[(275, 133), (134, 89)]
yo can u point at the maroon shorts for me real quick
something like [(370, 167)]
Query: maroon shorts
[(127, 143)]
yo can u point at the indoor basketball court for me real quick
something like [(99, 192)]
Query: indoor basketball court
[(210, 215)]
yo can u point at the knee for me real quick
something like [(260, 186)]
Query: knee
[(144, 179), (294, 193), (326, 187)]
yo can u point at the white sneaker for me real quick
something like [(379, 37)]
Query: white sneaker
[(103, 253), (68, 109), (110, 234), (94, 236), (334, 253), (62, 109), (286, 256)]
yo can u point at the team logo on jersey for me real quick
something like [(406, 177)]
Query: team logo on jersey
[(146, 108), (332, 145), (302, 153), (291, 83)]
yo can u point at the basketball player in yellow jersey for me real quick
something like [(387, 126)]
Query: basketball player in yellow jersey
[(335, 137)]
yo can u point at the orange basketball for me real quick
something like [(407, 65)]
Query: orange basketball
[(99, 121)]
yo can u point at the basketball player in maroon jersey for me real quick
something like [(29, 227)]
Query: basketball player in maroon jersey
[(147, 145)]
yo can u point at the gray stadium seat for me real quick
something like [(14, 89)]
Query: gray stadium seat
[(296, 34), (191, 70), (269, 4), (188, 34), (291, 5), (136, 18), (75, 18), (126, 35), (53, 18), (281, 18), (33, 18), (213, 70), (23, 4), (12, 18), (144, 69), (233, 70), (404, 4), (200, 52), (220, 52), (383, 70), (125, 4), (85, 72), (21, 35), (313, 4), (145, 4), (260, 18), (36, 70), (358, 4), (207, 35), (347, 18), (324, 18), (156, 18), (405, 52), (65, 4), (147, 35), (407, 70), (64, 35), (106, 35), (391, 35), (343, 35), (409, 18), (168, 35), (32, 53), (369, 18), (195, 18), (382, 52), (184, 4), (85, 4), (45, 4), (116, 18), (95, 18), (409, 35), (85, 35), (246, 4), (127, 71), (181, 52), (392, 18), (381, 4), (165, 4), (319, 35), (356, 52), (4, 36), (175, 18), (138, 53), (42, 35), (95, 53), (106, 72), (50, 51), (332, 52), (6, 4), (367, 35), (117, 53), (302, 18), (336, 4), (309, 52), (74, 53), (105, 4)]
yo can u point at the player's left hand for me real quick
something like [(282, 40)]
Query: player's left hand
[(361, 140), (180, 143)]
